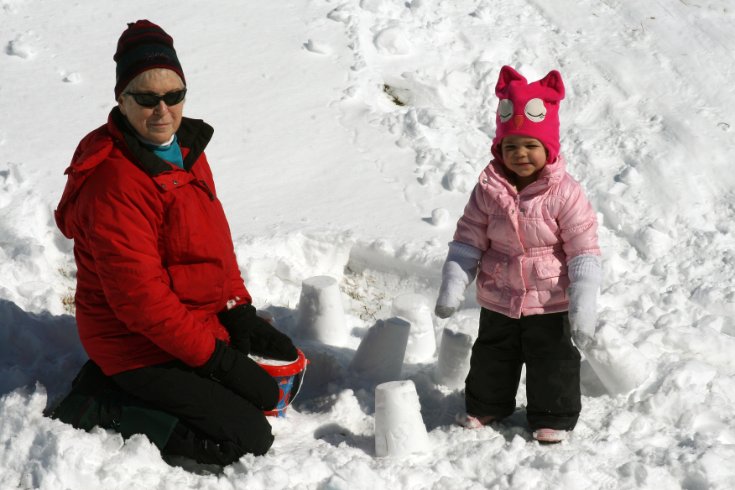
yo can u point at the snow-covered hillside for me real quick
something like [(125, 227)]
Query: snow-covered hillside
[(348, 135)]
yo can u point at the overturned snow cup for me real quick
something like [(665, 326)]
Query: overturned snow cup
[(289, 376)]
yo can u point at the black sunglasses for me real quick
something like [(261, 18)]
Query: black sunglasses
[(152, 100)]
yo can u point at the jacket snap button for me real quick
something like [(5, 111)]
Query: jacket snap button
[(176, 182)]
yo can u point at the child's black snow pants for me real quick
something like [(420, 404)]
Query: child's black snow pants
[(543, 343)]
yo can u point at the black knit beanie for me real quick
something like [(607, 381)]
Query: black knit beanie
[(142, 46)]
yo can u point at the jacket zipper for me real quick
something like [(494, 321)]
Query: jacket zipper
[(523, 245)]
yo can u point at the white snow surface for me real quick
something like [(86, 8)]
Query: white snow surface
[(348, 135)]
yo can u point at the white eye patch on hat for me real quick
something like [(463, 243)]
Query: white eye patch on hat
[(535, 110)]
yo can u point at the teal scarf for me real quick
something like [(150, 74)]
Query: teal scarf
[(170, 153)]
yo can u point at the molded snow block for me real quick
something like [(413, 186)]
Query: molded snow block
[(421, 339), (399, 428), (379, 357), (321, 315), (454, 359), (619, 365)]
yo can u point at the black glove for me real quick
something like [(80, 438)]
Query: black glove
[(242, 375), (238, 323), (251, 334)]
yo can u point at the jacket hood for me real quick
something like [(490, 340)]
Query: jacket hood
[(91, 151)]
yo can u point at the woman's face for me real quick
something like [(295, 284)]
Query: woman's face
[(155, 124)]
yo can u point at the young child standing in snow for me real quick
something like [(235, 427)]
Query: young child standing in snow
[(532, 234)]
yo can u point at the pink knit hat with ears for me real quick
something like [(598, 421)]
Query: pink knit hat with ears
[(528, 109)]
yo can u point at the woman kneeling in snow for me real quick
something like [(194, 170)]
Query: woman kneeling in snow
[(161, 308)]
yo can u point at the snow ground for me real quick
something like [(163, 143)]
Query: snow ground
[(340, 127)]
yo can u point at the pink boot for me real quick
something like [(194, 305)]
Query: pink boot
[(471, 422), (550, 436)]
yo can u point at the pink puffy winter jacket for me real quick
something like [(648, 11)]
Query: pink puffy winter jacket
[(527, 238)]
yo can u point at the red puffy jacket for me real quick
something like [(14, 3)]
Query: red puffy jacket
[(154, 254)]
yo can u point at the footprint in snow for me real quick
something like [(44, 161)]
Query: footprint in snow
[(19, 48), (317, 47)]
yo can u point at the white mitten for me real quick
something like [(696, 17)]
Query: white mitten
[(585, 276), (458, 272)]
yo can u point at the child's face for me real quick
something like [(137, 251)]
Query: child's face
[(523, 156)]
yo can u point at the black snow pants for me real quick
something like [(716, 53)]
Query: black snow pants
[(543, 343), (216, 426)]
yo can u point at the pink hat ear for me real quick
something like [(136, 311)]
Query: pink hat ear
[(553, 82), (507, 75)]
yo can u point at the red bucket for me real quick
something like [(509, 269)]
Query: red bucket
[(289, 376)]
